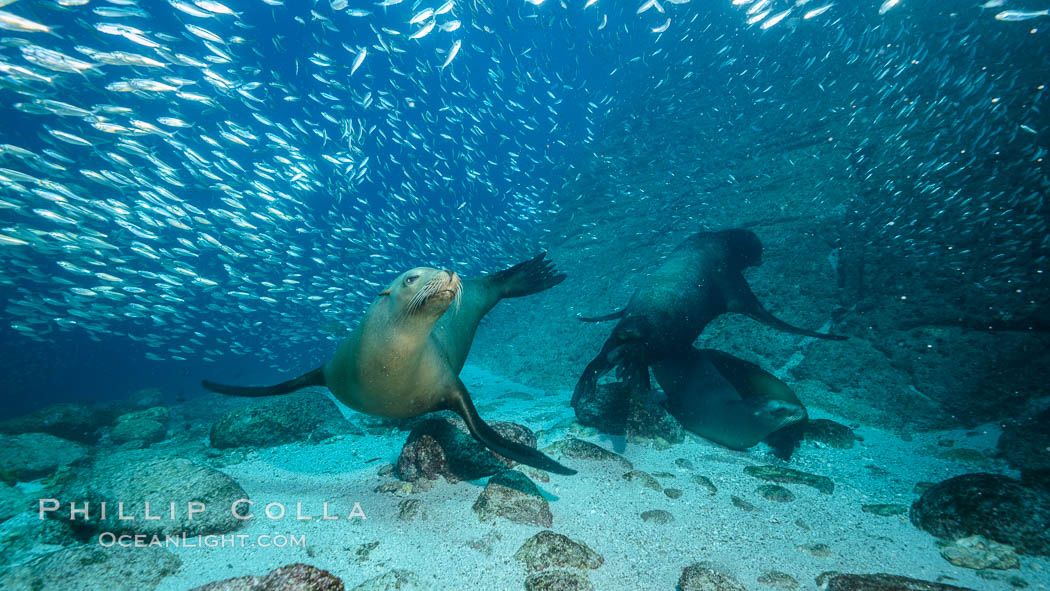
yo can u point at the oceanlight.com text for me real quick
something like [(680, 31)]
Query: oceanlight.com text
[(110, 539)]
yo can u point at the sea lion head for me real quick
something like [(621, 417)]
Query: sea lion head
[(424, 292), (745, 249)]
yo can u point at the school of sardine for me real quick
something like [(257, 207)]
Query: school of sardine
[(171, 176)]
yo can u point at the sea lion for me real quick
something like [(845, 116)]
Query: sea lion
[(404, 358), (728, 400), (700, 280)]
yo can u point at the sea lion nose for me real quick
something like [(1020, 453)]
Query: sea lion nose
[(450, 273)]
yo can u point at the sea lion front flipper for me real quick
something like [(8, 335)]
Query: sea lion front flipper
[(532, 276), (740, 299), (459, 402)]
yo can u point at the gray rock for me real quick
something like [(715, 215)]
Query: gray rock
[(76, 422), (138, 429), (394, 580), (778, 579), (775, 493), (614, 408), (552, 550), (644, 478), (294, 577), (816, 549), (886, 509), (742, 504), (705, 483), (657, 516), (444, 447), (787, 475), (92, 567), (13, 502), (276, 421), (137, 477), (579, 449), (34, 455), (160, 414), (558, 580), (830, 433), (512, 496), (978, 553), (704, 576), (1023, 444), (884, 582), (994, 506)]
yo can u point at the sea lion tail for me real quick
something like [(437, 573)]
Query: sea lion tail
[(532, 276), (461, 404), (612, 316), (312, 378)]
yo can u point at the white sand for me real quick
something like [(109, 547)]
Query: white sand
[(601, 509)]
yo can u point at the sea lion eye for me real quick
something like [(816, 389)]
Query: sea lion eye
[(410, 279)]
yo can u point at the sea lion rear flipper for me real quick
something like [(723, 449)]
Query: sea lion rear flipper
[(459, 402), (740, 299), (312, 378), (532, 276)]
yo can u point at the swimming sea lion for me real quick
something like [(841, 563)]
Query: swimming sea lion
[(728, 400), (700, 280), (404, 358)]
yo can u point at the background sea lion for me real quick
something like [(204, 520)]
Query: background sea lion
[(404, 358), (700, 280), (730, 401)]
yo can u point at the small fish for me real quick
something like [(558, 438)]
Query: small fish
[(11, 240), (423, 32), (1021, 15), (452, 54), (13, 22), (358, 60), (773, 20), (888, 5), (816, 12)]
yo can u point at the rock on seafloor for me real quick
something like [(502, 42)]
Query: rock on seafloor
[(393, 580), (830, 433), (76, 422), (92, 568), (142, 428), (991, 505), (704, 576), (285, 419), (616, 409), (512, 496), (294, 577), (978, 553), (579, 449), (32, 455), (140, 476), (444, 447), (885, 582), (558, 580), (548, 549), (789, 476), (1023, 444)]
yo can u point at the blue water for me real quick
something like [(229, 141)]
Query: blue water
[(540, 90)]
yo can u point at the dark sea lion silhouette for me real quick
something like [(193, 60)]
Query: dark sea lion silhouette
[(700, 280), (404, 358), (730, 401)]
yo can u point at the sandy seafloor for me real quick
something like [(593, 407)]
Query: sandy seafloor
[(450, 548)]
